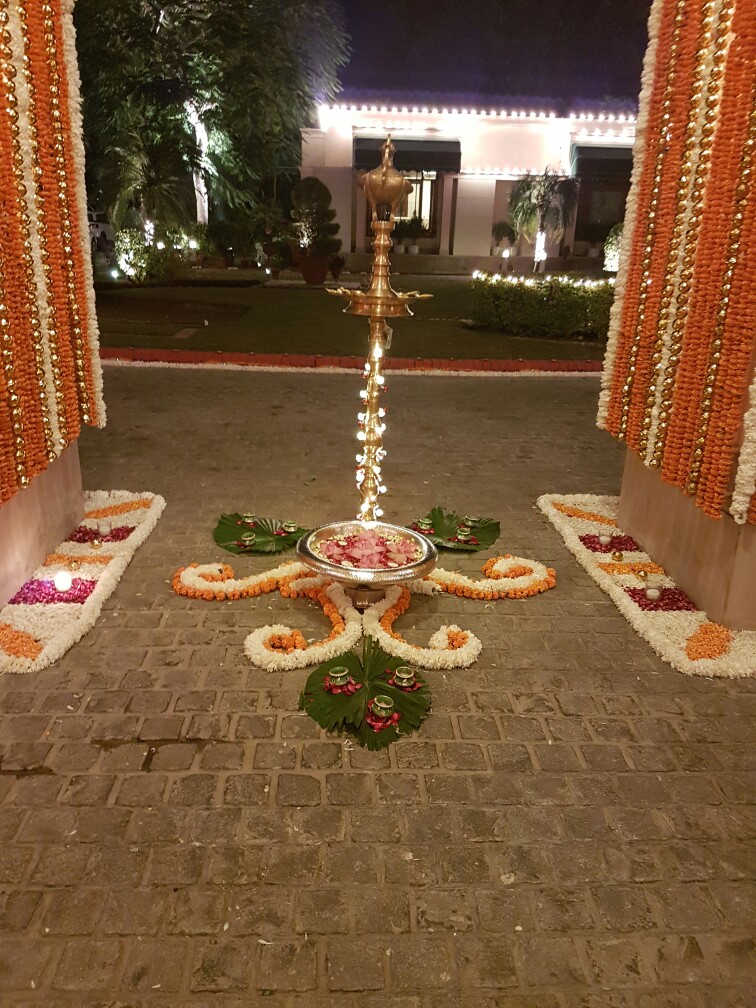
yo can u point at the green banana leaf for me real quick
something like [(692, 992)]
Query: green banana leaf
[(444, 526), (337, 711), (230, 528)]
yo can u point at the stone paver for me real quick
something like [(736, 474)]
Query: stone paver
[(570, 829)]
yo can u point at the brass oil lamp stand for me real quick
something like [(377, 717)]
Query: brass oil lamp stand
[(385, 188)]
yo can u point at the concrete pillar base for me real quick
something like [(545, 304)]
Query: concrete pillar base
[(37, 519), (714, 562)]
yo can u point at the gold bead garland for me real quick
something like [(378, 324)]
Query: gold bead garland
[(684, 233), (687, 265), (27, 292)]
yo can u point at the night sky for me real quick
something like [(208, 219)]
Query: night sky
[(572, 52)]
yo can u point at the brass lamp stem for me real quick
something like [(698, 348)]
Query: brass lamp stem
[(372, 426), (384, 187)]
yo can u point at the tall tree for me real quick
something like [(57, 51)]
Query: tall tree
[(541, 206), (222, 86)]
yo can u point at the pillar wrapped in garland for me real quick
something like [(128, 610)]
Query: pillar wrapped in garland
[(678, 385), (50, 378)]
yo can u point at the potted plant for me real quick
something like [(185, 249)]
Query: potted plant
[(415, 231), (315, 229), (336, 265), (502, 231), (596, 235), (399, 235), (274, 265)]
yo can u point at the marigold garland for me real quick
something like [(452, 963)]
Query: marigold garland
[(680, 352), (525, 578), (50, 378)]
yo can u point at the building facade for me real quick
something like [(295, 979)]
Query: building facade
[(463, 163)]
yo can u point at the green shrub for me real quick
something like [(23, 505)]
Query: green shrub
[(314, 218), (553, 307), (141, 261)]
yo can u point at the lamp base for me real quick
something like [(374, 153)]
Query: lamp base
[(364, 596)]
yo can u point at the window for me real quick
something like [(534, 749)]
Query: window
[(422, 200)]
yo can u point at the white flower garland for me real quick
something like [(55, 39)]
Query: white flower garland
[(79, 194), (437, 655), (57, 627), (666, 632), (274, 661), (194, 577), (538, 574), (631, 211), (745, 476)]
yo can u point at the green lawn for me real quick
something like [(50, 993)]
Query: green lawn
[(305, 321)]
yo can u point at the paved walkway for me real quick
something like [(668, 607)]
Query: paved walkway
[(568, 830)]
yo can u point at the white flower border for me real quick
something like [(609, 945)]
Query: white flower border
[(437, 655), (192, 577), (525, 582), (666, 632), (82, 617), (273, 661)]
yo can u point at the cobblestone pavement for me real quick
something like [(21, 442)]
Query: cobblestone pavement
[(570, 829)]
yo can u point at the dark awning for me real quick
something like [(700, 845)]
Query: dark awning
[(590, 160), (410, 155)]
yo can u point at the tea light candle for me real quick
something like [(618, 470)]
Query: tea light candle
[(404, 677), (105, 527), (338, 675), (653, 594), (383, 706), (604, 538), (62, 581)]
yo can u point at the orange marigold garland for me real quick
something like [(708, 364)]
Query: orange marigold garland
[(680, 354), (50, 363)]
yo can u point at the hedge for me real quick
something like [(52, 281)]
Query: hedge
[(554, 307)]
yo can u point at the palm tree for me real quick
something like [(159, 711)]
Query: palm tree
[(541, 206)]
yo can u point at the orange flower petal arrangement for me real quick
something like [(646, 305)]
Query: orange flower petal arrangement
[(679, 632), (279, 648)]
